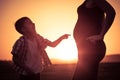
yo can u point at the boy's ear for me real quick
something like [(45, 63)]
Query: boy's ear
[(22, 30)]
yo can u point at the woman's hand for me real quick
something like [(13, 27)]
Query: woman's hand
[(95, 38)]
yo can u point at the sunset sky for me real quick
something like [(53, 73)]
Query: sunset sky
[(52, 18)]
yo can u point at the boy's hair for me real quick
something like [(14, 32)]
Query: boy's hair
[(19, 24)]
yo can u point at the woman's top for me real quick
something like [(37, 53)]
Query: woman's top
[(89, 22)]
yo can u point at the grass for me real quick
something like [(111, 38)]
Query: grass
[(107, 71)]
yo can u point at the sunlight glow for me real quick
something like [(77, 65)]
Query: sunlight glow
[(52, 18), (66, 50)]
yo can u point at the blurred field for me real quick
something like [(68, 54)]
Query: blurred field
[(107, 71)]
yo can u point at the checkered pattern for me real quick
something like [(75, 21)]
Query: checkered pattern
[(20, 49)]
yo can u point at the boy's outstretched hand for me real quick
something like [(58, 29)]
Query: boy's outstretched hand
[(65, 36), (56, 42)]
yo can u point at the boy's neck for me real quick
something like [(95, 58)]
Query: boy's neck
[(30, 36)]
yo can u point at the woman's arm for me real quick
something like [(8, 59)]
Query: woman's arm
[(56, 42), (107, 22), (109, 15)]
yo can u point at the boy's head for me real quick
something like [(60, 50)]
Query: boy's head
[(24, 24)]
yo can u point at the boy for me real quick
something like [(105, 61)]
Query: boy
[(28, 52)]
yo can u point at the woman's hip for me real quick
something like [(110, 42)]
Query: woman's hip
[(90, 51)]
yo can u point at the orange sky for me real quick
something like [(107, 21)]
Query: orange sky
[(53, 18)]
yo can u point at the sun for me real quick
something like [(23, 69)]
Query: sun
[(66, 51)]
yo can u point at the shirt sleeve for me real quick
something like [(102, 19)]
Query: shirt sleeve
[(18, 51), (43, 43), (18, 56), (16, 47)]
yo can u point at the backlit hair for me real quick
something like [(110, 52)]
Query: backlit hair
[(19, 24)]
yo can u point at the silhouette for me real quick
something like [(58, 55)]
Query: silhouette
[(29, 55), (95, 17)]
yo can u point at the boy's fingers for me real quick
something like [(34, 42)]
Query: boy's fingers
[(69, 34)]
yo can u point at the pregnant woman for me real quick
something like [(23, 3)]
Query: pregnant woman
[(95, 17)]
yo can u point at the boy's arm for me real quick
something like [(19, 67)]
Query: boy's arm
[(56, 42)]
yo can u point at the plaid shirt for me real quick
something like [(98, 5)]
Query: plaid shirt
[(20, 49)]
